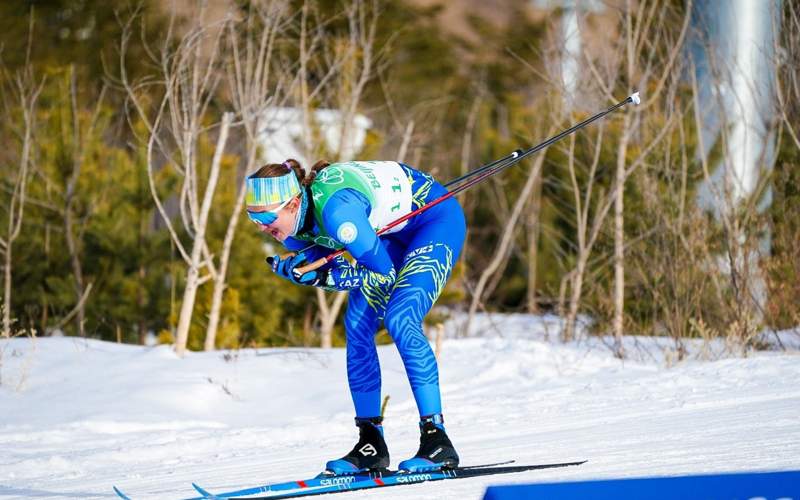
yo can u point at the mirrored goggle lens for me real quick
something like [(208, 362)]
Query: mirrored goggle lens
[(263, 218)]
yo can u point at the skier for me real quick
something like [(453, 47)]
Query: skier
[(396, 278)]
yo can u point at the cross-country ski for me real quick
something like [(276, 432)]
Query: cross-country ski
[(326, 483), (341, 484)]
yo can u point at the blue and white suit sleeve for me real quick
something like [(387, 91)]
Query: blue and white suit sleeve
[(345, 218), (312, 254)]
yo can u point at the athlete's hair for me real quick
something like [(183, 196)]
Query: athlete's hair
[(279, 169)]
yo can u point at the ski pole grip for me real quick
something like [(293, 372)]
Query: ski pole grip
[(282, 257), (312, 266)]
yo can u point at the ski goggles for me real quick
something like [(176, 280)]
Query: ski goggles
[(268, 217)]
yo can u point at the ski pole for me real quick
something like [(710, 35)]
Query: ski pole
[(634, 98), (484, 171), (500, 163), (509, 157), (478, 170)]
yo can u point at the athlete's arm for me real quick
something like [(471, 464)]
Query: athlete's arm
[(314, 253), (346, 219)]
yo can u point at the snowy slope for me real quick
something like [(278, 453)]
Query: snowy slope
[(92, 414)]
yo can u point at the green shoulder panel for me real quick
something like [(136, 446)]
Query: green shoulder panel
[(382, 183)]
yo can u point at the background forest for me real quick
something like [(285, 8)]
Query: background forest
[(126, 130)]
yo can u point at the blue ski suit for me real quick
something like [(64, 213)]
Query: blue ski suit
[(421, 255)]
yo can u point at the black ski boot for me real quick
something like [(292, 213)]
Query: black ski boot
[(435, 449), (369, 454)]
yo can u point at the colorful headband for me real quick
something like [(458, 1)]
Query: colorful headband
[(263, 191)]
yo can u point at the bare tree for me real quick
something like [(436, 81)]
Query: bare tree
[(74, 229), (735, 281), (638, 36), (670, 267), (187, 82), (343, 66), (311, 40), (532, 228), (585, 241), (591, 214), (500, 254), (783, 266), (251, 43), (468, 204), (357, 58), (736, 157), (647, 50), (20, 94), (787, 72)]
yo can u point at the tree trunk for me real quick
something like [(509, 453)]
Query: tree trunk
[(328, 315), (77, 269), (142, 274), (28, 94), (7, 293), (533, 246), (187, 304), (568, 333), (619, 241), (73, 246), (401, 154), (308, 317), (505, 241), (193, 279), (220, 281), (141, 327), (214, 314)]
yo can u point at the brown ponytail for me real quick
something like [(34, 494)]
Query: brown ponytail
[(314, 171), (279, 169)]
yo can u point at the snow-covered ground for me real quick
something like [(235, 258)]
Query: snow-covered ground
[(77, 416)]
